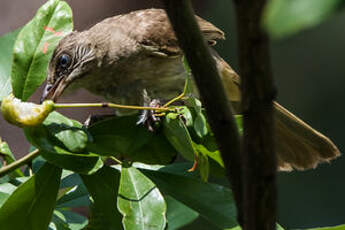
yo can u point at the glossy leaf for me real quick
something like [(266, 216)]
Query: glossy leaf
[(178, 214), (123, 138), (186, 115), (55, 135), (200, 125), (35, 44), (67, 220), (177, 133), (213, 202), (72, 192), (6, 189), (286, 17), (31, 205), (103, 187), (6, 47), (69, 132), (9, 158), (140, 202)]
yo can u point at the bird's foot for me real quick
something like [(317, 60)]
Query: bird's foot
[(148, 117)]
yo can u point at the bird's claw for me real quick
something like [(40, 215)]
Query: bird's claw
[(148, 117)]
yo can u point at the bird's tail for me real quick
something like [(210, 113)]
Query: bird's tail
[(298, 145)]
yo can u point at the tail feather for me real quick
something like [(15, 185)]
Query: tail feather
[(298, 146)]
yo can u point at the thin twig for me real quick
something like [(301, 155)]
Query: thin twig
[(18, 163), (109, 105)]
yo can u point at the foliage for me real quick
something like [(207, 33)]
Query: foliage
[(285, 17), (144, 190)]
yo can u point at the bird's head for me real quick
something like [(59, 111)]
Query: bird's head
[(71, 60)]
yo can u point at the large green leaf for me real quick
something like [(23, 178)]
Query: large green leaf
[(35, 44), (140, 202), (213, 202), (286, 17), (6, 47), (121, 137), (31, 205), (178, 214), (57, 137), (103, 187)]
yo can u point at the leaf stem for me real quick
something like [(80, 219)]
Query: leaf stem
[(116, 160), (16, 164)]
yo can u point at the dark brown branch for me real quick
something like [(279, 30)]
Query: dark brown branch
[(210, 87), (259, 178)]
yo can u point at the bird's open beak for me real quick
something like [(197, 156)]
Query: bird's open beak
[(53, 91)]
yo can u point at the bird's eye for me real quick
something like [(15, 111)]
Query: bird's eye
[(64, 60)]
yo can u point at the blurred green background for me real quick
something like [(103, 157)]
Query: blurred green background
[(309, 74)]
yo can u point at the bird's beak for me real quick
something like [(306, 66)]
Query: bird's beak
[(53, 91)]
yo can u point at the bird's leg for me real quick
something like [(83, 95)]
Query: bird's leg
[(148, 117)]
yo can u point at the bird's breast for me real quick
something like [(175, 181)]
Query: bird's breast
[(124, 82)]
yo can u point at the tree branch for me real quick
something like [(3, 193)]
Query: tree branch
[(16, 164), (210, 87), (259, 159)]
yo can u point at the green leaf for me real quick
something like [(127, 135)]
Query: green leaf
[(177, 134), (186, 115), (67, 220), (278, 227), (6, 47), (200, 125), (35, 44), (73, 192), (69, 132), (140, 202), (121, 137), (239, 122), (178, 214), (338, 227), (9, 158), (286, 17), (103, 187), (215, 155), (31, 205), (6, 189), (213, 202), (55, 135)]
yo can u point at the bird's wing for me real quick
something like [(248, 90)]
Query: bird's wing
[(151, 28)]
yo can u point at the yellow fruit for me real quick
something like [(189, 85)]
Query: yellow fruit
[(25, 113)]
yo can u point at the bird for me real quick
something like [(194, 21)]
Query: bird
[(125, 57)]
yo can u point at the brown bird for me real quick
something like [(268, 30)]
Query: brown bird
[(126, 55)]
